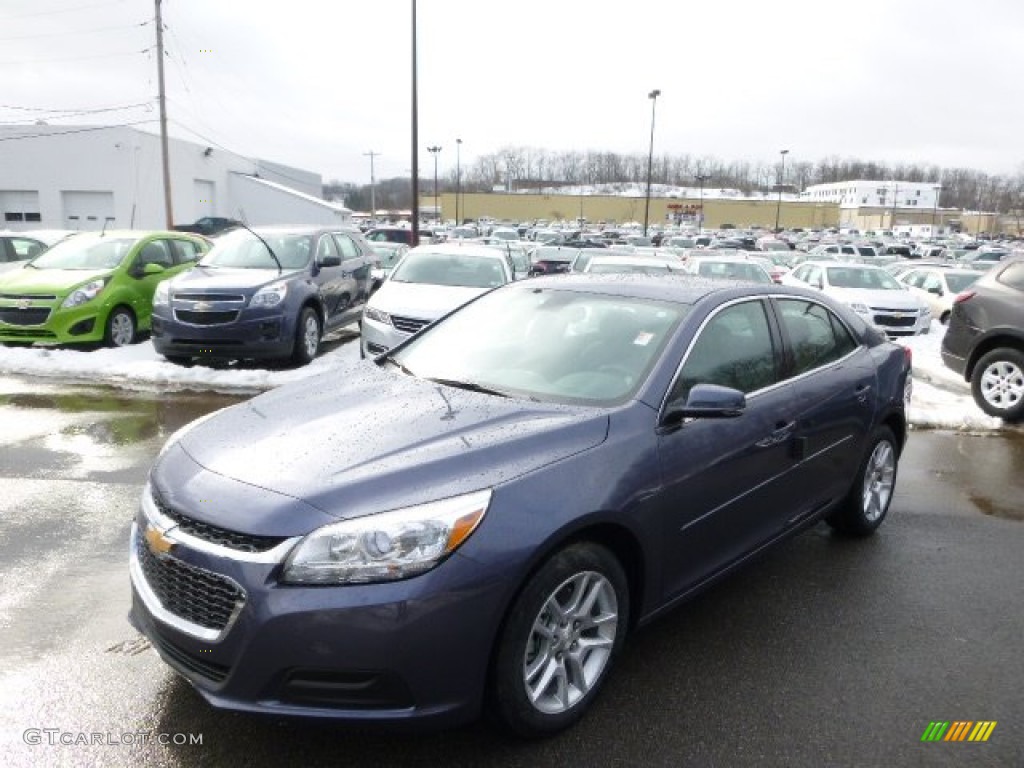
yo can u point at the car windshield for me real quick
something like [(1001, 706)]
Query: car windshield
[(605, 267), (455, 269), (388, 256), (547, 344), (961, 281), (733, 270), (872, 279), (86, 252), (244, 250)]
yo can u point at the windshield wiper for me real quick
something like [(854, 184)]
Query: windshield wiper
[(472, 386), (270, 250)]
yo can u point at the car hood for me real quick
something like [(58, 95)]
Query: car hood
[(890, 299), (426, 302), (228, 278), (32, 280), (362, 439)]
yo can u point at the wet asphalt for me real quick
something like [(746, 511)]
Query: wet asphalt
[(825, 652)]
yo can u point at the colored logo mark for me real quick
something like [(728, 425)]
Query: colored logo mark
[(958, 730)]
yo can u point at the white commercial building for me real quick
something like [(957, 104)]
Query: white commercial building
[(874, 194), (88, 177)]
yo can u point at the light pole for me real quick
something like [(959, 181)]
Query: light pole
[(653, 96), (701, 178), (437, 209), (458, 179), (373, 184), (935, 208), (782, 178), (415, 216)]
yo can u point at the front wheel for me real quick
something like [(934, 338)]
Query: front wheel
[(307, 337), (997, 384), (865, 506), (559, 640), (121, 329)]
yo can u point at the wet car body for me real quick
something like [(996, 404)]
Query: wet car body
[(679, 503)]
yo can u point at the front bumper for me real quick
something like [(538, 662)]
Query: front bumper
[(251, 335), (44, 320), (376, 338), (412, 651)]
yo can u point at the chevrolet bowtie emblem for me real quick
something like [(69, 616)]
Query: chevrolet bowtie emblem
[(24, 303), (158, 543)]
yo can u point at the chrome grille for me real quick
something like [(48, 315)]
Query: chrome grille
[(193, 594), (241, 542), (408, 324), (185, 296)]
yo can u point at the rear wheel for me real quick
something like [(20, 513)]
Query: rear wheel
[(997, 383), (560, 638), (867, 503), (120, 331), (307, 337)]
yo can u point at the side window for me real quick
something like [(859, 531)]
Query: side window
[(914, 278), (325, 248), (185, 251), (348, 249), (155, 252), (813, 277), (816, 336), (26, 249), (931, 282), (734, 349)]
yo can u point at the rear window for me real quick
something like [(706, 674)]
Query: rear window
[(1013, 276)]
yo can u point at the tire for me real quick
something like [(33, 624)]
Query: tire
[(121, 330), (867, 502), (307, 337), (547, 672), (944, 319), (997, 383)]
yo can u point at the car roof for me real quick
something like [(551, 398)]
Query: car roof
[(459, 249)]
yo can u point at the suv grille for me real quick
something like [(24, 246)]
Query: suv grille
[(206, 318), (241, 542), (186, 296), (408, 324), (194, 594)]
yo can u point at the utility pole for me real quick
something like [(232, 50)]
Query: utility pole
[(168, 208), (415, 140), (373, 184)]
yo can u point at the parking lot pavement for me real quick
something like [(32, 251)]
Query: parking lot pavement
[(825, 652)]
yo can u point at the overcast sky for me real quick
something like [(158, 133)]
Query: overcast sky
[(318, 83)]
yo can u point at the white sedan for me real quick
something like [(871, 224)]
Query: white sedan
[(429, 282), (938, 287), (869, 291)]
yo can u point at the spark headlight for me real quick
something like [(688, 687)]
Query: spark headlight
[(84, 293), (387, 546), (269, 295), (377, 316)]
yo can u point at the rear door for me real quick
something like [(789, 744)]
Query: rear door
[(329, 277)]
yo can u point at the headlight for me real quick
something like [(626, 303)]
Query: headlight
[(860, 309), (388, 546), (269, 296), (84, 293), (162, 294), (377, 316)]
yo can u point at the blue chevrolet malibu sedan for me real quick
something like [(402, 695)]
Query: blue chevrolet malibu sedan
[(478, 518)]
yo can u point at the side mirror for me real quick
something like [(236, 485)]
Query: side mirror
[(144, 270), (936, 289), (330, 261), (707, 401)]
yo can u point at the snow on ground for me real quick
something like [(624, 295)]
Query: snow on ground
[(940, 398)]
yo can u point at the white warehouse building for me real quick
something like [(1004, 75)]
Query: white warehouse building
[(874, 194), (91, 177)]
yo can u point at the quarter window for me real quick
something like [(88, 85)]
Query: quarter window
[(734, 349), (816, 336), (1013, 276)]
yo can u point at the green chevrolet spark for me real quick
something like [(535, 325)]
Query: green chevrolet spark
[(93, 287)]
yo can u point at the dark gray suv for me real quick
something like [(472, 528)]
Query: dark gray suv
[(985, 339)]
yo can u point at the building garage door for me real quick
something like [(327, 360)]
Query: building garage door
[(19, 209), (88, 210)]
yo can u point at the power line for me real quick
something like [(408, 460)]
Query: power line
[(77, 110), (75, 32), (62, 10), (74, 58), (47, 134), (66, 115)]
